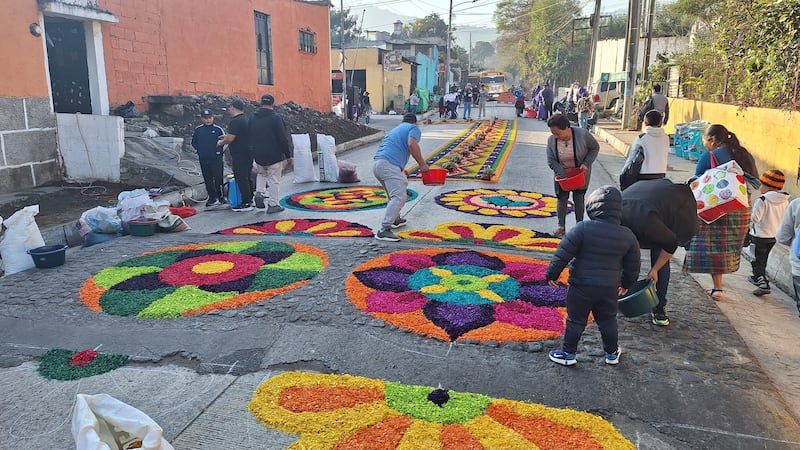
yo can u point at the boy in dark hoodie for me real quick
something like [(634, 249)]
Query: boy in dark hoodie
[(604, 260)]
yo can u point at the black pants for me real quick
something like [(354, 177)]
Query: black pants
[(562, 196), (663, 279), (548, 110), (762, 248), (601, 301), (212, 176), (242, 170)]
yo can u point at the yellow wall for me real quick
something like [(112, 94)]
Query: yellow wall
[(771, 135), (382, 86)]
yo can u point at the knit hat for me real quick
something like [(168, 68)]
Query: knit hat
[(773, 178)]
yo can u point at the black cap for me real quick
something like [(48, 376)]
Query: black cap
[(238, 104), (267, 99), (410, 118), (206, 113)]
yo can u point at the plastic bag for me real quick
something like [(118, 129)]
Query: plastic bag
[(347, 172), (303, 161), (100, 220), (101, 422), (20, 235), (137, 204), (328, 168)]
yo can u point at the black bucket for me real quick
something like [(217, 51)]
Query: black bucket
[(48, 256)]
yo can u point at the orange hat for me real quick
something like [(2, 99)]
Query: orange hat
[(773, 178)]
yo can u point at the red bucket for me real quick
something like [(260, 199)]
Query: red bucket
[(576, 178), (434, 177)]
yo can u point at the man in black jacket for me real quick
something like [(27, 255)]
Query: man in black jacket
[(662, 215), (239, 146), (271, 146)]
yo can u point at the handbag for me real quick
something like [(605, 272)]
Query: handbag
[(720, 190), (632, 168)]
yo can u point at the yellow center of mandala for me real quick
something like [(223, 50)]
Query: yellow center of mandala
[(209, 267)]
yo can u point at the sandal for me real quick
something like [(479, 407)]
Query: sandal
[(559, 232), (716, 294)]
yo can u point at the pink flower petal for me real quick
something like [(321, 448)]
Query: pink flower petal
[(395, 302), (411, 261), (525, 272), (528, 316)]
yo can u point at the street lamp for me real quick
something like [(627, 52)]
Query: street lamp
[(449, 38)]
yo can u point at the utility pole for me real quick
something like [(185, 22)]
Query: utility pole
[(634, 19), (595, 40), (344, 64), (469, 55), (447, 52), (649, 40)]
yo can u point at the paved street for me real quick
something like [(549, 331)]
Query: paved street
[(696, 384)]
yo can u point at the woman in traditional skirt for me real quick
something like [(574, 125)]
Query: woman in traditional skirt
[(717, 247)]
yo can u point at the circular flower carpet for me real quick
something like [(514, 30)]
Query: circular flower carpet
[(451, 295), (500, 203), (486, 233), (339, 199), (197, 278), (302, 227), (61, 364), (349, 412)]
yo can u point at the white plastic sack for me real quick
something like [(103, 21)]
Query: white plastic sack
[(101, 220), (302, 160), (137, 204), (101, 422), (20, 235), (328, 168)]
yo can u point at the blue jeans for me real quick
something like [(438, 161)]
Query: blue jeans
[(467, 110), (663, 279), (582, 119), (413, 109)]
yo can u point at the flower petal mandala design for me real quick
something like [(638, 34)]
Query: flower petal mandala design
[(389, 415), (196, 278)]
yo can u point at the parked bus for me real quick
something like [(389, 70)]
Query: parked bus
[(495, 81)]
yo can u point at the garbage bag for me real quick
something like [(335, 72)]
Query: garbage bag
[(19, 234), (100, 219), (101, 422)]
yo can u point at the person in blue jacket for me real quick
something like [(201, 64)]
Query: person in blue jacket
[(204, 142)]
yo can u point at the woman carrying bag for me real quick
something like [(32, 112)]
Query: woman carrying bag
[(717, 247), (569, 148)]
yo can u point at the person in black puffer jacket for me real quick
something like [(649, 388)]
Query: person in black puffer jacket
[(272, 149), (604, 261)]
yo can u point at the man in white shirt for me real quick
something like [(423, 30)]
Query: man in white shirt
[(655, 144)]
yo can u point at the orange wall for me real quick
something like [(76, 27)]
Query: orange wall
[(23, 67), (202, 46)]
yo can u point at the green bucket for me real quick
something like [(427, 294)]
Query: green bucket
[(142, 227), (641, 299)]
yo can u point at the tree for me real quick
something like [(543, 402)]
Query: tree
[(481, 52), (351, 32), (429, 26)]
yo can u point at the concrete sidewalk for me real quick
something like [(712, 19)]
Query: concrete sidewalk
[(769, 324)]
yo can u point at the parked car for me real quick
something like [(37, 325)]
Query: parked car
[(607, 94)]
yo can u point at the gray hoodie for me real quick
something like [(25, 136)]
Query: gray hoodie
[(786, 232)]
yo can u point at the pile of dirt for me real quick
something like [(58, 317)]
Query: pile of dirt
[(178, 116)]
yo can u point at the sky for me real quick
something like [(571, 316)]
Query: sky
[(466, 13)]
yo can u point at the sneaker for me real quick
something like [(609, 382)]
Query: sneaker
[(660, 319), (258, 200), (243, 207), (560, 357), (613, 358), (400, 222), (212, 203), (753, 280), (272, 209), (387, 235), (762, 286)]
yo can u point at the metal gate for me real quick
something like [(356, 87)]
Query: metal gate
[(69, 71)]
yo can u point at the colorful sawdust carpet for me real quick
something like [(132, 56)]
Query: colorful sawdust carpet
[(451, 295), (340, 199), (197, 278), (61, 364), (350, 412), (486, 233), (302, 227), (477, 154), (501, 203)]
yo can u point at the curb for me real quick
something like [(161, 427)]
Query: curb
[(612, 140)]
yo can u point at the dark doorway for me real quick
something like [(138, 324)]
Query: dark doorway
[(69, 71)]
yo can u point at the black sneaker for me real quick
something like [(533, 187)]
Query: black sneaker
[(243, 207), (258, 200), (563, 358), (400, 222), (275, 209), (762, 287), (660, 319), (387, 235), (753, 280)]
